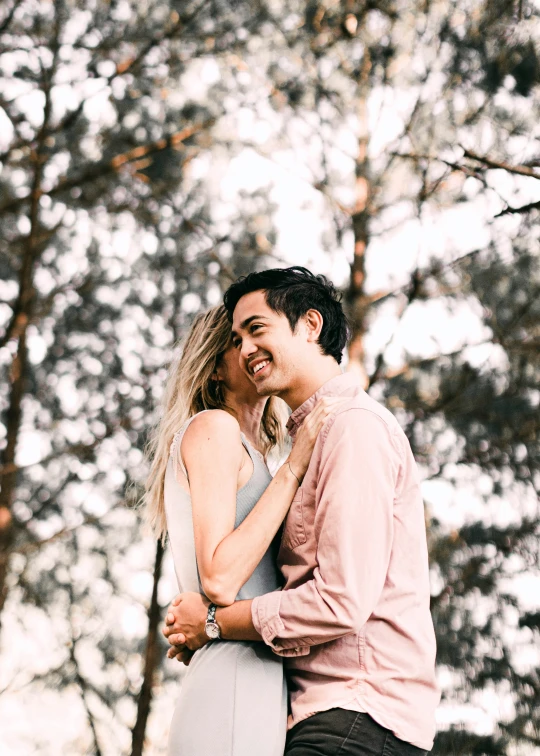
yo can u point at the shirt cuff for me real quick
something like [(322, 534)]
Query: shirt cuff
[(268, 623)]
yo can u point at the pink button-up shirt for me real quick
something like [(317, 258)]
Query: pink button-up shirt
[(353, 620)]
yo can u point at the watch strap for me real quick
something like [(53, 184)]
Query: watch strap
[(211, 616)]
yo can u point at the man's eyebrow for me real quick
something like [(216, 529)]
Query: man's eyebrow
[(244, 324)]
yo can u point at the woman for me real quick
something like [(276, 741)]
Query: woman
[(210, 489)]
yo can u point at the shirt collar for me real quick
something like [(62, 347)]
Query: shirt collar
[(344, 384)]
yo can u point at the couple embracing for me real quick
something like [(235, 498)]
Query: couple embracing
[(304, 615)]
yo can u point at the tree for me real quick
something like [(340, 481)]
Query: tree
[(119, 122)]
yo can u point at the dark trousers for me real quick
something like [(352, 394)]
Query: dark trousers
[(339, 732)]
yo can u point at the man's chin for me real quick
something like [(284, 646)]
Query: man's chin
[(265, 388)]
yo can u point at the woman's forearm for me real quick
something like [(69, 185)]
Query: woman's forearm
[(237, 555)]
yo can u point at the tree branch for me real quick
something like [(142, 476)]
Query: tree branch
[(115, 164), (81, 682), (125, 67), (469, 171), (422, 276), (9, 18), (520, 170), (32, 546), (521, 209)]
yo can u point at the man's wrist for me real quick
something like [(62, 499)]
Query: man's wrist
[(235, 622), (221, 619)]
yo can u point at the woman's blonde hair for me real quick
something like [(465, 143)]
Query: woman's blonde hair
[(191, 388)]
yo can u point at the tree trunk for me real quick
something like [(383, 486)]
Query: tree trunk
[(151, 660), (9, 479), (358, 302), (17, 329)]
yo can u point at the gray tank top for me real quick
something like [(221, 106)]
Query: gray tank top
[(266, 576)]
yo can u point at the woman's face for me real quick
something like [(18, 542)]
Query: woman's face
[(233, 377)]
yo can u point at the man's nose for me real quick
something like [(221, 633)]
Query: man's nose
[(248, 348)]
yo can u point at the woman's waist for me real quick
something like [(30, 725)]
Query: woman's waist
[(235, 650), (265, 579)]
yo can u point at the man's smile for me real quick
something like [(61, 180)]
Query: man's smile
[(259, 365)]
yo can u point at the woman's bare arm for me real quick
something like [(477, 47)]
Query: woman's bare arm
[(212, 451), (226, 557)]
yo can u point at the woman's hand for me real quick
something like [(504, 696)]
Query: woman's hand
[(185, 621), (300, 456)]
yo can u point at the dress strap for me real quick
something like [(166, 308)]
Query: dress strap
[(176, 455), (174, 451), (253, 453)]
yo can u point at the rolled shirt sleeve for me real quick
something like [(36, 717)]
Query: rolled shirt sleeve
[(353, 530)]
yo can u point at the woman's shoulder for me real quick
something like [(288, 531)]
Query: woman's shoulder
[(215, 421)]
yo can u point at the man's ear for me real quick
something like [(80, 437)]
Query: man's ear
[(314, 323)]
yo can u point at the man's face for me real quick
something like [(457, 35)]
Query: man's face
[(269, 352)]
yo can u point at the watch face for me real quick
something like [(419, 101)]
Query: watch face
[(212, 630)]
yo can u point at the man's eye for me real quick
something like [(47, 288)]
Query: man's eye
[(255, 326)]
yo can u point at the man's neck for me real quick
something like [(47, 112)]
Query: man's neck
[(314, 377)]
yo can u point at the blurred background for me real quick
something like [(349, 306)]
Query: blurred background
[(151, 152)]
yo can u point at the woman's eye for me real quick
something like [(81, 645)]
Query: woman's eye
[(254, 327)]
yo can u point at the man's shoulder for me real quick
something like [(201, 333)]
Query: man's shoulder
[(369, 408), (360, 419)]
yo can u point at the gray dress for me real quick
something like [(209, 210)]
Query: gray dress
[(233, 697)]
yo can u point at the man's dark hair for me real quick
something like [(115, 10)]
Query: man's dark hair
[(292, 292)]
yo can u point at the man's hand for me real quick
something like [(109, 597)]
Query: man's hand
[(184, 626)]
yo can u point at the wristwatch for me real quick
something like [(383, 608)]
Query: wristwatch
[(211, 627)]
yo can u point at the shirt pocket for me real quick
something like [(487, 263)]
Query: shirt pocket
[(294, 532)]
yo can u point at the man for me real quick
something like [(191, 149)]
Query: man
[(353, 620)]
